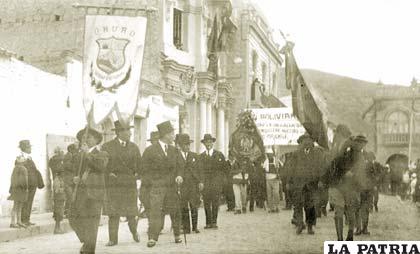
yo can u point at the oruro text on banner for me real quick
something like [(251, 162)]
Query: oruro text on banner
[(278, 126)]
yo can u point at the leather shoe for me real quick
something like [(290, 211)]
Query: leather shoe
[(196, 231), (299, 229), (136, 237), (208, 226), (358, 232), (365, 231), (310, 230), (110, 243), (151, 243), (30, 223), (178, 239)]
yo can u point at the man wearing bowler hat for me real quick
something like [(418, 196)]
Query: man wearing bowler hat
[(212, 167), (122, 173), (34, 180), (192, 185), (163, 171), (86, 208)]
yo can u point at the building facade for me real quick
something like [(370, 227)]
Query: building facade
[(199, 88), (395, 112)]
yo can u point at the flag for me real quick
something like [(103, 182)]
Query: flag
[(246, 141), (112, 62), (304, 105)]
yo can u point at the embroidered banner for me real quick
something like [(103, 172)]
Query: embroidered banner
[(112, 62)]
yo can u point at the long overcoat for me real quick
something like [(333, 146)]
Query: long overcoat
[(121, 189), (189, 189), (159, 172)]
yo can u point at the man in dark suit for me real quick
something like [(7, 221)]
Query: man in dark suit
[(212, 167), (89, 189), (163, 172), (144, 190), (192, 185), (303, 181), (34, 181), (122, 173)]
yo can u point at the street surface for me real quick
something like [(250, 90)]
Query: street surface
[(258, 232)]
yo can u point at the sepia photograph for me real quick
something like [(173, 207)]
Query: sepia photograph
[(210, 126)]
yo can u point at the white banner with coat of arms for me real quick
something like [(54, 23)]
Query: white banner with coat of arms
[(112, 62)]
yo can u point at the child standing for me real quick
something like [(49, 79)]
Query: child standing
[(18, 191)]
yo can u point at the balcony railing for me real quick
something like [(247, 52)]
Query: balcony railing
[(396, 138)]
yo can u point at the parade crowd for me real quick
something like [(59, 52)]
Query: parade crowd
[(92, 179)]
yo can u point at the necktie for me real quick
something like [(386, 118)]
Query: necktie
[(166, 149), (123, 144)]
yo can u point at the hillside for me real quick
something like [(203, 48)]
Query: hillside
[(344, 99)]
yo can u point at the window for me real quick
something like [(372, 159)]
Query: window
[(177, 29), (273, 84), (254, 71), (57, 17), (264, 73), (397, 122)]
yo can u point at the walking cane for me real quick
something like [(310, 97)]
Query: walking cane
[(178, 192)]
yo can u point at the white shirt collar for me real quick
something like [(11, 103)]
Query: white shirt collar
[(163, 145), (210, 152), (25, 155), (122, 142), (93, 148)]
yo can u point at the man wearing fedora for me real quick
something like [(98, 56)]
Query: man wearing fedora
[(163, 172), (34, 180), (89, 190), (303, 181), (212, 167), (122, 173), (192, 185)]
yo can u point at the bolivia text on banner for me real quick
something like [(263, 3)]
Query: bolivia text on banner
[(371, 247), (278, 126), (112, 62)]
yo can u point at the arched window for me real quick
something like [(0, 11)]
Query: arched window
[(397, 122)]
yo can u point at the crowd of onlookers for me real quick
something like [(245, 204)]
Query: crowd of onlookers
[(401, 180)]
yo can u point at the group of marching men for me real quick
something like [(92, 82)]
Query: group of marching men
[(347, 177), (104, 181)]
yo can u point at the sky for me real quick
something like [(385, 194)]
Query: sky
[(370, 40)]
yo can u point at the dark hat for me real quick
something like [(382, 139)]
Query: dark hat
[(360, 139), (92, 132), (184, 138), (165, 128), (303, 137), (121, 126), (208, 137), (154, 136), (24, 143)]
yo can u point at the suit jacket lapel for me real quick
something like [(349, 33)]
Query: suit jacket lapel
[(162, 152)]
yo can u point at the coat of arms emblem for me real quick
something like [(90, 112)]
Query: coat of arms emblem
[(111, 54)]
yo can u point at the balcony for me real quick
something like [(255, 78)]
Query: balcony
[(395, 138), (398, 139)]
